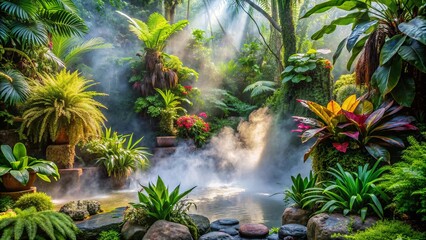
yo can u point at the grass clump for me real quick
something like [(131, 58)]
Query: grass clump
[(40, 200)]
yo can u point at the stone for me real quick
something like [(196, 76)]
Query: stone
[(131, 231), (216, 236), (230, 230), (323, 226), (228, 221), (164, 230), (296, 231), (273, 236), (81, 209), (226, 225), (92, 227), (252, 230), (295, 215), (202, 222)]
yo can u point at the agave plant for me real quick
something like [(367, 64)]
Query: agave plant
[(62, 103), (154, 34), (354, 192), (299, 189), (355, 122), (389, 35)]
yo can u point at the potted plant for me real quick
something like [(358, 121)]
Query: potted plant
[(18, 170), (119, 155), (193, 127), (61, 109), (168, 114)]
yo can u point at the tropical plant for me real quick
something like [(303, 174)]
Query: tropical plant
[(194, 127), (109, 235), (40, 200), (260, 87), (355, 122), (160, 204), (14, 87), (169, 110), (389, 34), (299, 189), (30, 224), (406, 181), (19, 164), (154, 34), (300, 64), (6, 203), (119, 154), (62, 103), (387, 230), (350, 192)]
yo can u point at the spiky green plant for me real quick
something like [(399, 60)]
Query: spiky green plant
[(31, 224), (299, 188), (62, 102), (169, 111)]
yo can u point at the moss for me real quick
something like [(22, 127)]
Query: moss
[(325, 156), (348, 90), (6, 203), (109, 235), (343, 80), (41, 201)]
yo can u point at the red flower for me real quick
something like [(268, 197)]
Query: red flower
[(341, 147), (202, 114), (188, 88)]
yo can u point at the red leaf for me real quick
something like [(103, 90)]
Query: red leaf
[(341, 147)]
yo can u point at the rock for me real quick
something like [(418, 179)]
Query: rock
[(226, 225), (295, 215), (273, 236), (243, 238), (92, 227), (131, 231), (252, 230), (295, 231), (164, 230), (202, 222), (322, 226), (216, 236), (81, 209)]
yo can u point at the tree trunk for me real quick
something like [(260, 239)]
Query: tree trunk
[(275, 39), (287, 25), (187, 9)]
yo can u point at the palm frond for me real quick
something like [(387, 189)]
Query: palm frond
[(30, 33), (24, 10), (83, 47), (4, 31), (50, 56), (260, 87), (13, 87), (63, 23)]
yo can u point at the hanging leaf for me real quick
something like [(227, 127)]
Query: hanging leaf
[(357, 31), (404, 92), (390, 48), (327, 29), (416, 28), (386, 77), (378, 151), (339, 50), (415, 53), (359, 46)]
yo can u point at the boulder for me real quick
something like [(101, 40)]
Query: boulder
[(202, 222), (131, 231), (216, 236), (92, 227), (164, 230), (81, 209), (226, 225), (323, 226), (295, 231), (295, 215), (273, 236), (252, 230)]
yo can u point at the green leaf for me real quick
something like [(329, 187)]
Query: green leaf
[(386, 77), (4, 170), (404, 92), (288, 69), (287, 78), (390, 48), (342, 4), (339, 50), (19, 150), (327, 29), (416, 28), (415, 53), (7, 153), (359, 46), (357, 31), (21, 176)]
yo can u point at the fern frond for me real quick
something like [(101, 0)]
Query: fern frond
[(19, 228), (260, 87)]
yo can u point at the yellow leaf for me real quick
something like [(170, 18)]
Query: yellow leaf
[(322, 112), (334, 107), (350, 103), (364, 107)]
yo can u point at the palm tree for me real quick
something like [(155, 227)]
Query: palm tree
[(154, 34)]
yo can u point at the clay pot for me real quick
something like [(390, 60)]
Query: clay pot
[(12, 185), (166, 141)]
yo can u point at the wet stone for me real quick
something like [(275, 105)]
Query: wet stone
[(252, 230), (216, 236), (296, 231), (228, 221), (273, 237), (202, 222), (231, 231)]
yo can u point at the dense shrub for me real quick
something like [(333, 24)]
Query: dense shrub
[(325, 156), (407, 180), (41, 201), (388, 230), (109, 235), (6, 203), (347, 91), (344, 80)]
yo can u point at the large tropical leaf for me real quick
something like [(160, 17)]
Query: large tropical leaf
[(342, 4), (386, 77), (14, 88), (390, 48), (399, 93), (31, 33), (415, 53), (357, 31), (23, 10), (416, 28), (63, 23)]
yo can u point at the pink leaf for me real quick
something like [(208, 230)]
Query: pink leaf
[(341, 147)]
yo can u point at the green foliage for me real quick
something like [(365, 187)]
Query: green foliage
[(151, 105), (350, 192), (40, 200), (406, 181), (31, 224), (156, 31), (109, 235), (169, 111), (301, 65), (348, 90), (62, 102), (260, 87), (299, 188), (387, 230), (274, 230), (185, 74), (345, 79), (19, 164), (227, 104), (160, 204), (137, 216), (6, 203), (118, 153), (14, 87)]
